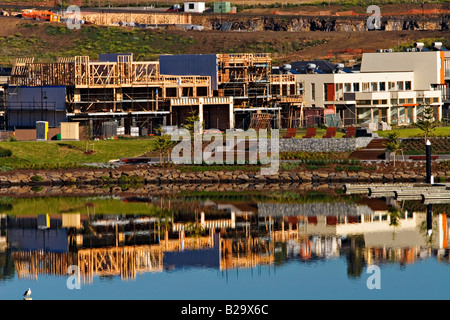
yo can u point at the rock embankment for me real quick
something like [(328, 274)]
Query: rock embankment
[(174, 176), (299, 23)]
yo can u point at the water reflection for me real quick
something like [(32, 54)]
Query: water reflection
[(218, 234)]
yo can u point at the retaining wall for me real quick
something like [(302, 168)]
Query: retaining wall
[(323, 145), (153, 176)]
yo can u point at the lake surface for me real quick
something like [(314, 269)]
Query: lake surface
[(223, 247)]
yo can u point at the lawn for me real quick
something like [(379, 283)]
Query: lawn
[(26, 153), (416, 132), (59, 205)]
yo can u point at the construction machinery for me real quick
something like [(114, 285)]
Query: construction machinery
[(41, 15)]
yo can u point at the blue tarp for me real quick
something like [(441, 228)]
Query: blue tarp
[(190, 65)]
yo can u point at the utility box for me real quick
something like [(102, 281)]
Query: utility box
[(71, 220), (222, 7), (43, 221), (70, 131), (41, 130)]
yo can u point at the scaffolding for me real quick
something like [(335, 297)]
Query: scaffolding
[(245, 76), (122, 85)]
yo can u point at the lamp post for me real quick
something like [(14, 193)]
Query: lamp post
[(428, 161)]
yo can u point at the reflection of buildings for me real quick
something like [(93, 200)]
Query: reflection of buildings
[(237, 235)]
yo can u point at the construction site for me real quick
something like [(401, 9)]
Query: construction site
[(224, 90)]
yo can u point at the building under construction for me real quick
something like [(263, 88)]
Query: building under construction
[(225, 91)]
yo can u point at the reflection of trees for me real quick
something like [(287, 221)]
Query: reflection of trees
[(280, 256), (355, 257), (394, 218), (164, 222), (6, 266)]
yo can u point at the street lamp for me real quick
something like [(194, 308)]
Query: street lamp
[(429, 177)]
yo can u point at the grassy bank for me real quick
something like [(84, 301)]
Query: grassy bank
[(59, 205), (35, 154), (415, 132)]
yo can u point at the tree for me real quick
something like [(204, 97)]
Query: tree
[(162, 143), (393, 145), (427, 123), (190, 121)]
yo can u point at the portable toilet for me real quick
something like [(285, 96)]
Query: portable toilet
[(41, 130)]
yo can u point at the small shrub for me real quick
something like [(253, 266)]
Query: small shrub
[(5, 152), (37, 188), (37, 178)]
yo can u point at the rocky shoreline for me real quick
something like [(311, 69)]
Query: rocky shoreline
[(144, 176)]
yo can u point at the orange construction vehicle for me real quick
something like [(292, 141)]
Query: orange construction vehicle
[(41, 15)]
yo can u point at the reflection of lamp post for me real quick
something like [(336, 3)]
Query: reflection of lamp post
[(429, 219)]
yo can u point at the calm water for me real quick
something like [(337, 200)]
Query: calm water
[(223, 247)]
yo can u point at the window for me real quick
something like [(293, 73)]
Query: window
[(374, 86), (339, 92), (382, 86), (191, 6), (400, 85), (365, 87), (407, 85), (356, 87), (431, 100), (391, 86), (313, 91), (300, 88), (347, 87)]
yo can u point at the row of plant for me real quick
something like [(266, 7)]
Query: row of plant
[(260, 195), (305, 155), (344, 165), (417, 146)]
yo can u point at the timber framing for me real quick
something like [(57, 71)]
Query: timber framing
[(124, 86)]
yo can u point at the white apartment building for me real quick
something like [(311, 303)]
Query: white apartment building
[(391, 86)]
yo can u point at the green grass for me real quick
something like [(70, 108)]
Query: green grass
[(47, 41), (416, 132), (56, 153), (59, 205)]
